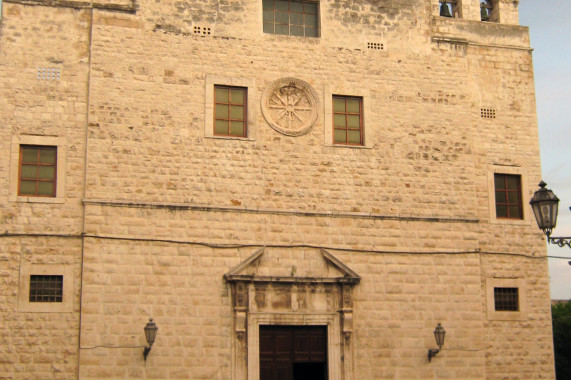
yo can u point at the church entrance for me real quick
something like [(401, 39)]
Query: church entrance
[(293, 352)]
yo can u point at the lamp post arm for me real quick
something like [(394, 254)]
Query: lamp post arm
[(560, 241)]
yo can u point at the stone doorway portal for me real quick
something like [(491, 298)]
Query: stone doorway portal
[(293, 353), (286, 297)]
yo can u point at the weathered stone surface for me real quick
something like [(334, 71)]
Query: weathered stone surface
[(155, 211)]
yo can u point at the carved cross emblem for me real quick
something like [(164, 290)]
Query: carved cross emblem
[(290, 106)]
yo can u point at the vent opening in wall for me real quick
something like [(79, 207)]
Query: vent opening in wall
[(375, 46), (488, 113), (202, 30), (48, 73)]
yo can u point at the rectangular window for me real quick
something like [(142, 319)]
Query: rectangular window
[(506, 299), (37, 171), (508, 196), (46, 288), (293, 18), (347, 120), (230, 111)]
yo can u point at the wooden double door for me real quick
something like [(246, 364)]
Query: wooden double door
[(293, 352)]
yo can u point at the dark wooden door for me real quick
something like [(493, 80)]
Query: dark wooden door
[(293, 353)]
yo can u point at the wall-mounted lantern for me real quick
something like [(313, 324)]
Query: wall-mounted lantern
[(545, 205), (439, 334), (150, 334)]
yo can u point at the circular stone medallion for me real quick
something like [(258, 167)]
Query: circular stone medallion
[(290, 106)]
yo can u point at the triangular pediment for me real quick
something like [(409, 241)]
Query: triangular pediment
[(293, 265)]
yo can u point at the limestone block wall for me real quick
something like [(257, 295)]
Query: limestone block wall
[(44, 57), (38, 343), (152, 210), (128, 282), (449, 84), (43, 102), (275, 171), (508, 339), (505, 11), (425, 272), (404, 291)]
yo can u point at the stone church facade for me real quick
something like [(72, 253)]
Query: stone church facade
[(290, 189)]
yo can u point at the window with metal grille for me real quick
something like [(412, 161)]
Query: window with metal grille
[(293, 18), (508, 196), (46, 288), (37, 171), (230, 105), (506, 299), (347, 120)]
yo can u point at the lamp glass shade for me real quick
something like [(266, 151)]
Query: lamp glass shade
[(439, 334), (151, 332), (545, 207)]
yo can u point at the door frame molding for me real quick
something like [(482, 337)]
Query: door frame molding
[(330, 320), (262, 295)]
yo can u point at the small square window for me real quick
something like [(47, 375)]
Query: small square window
[(508, 196), (347, 120), (46, 288), (506, 299), (293, 18), (230, 111), (37, 174)]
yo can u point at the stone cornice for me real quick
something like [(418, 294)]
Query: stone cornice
[(115, 7), (242, 209)]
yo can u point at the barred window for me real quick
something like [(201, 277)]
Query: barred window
[(46, 288), (37, 171), (293, 18), (506, 299)]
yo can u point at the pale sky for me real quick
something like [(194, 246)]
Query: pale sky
[(550, 30)]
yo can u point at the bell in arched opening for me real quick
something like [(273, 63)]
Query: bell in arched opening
[(485, 10), (445, 9)]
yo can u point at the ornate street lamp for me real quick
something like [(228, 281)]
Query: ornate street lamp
[(545, 204), (439, 334), (150, 334)]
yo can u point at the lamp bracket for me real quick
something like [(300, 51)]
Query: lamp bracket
[(146, 352), (560, 241), (432, 353)]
